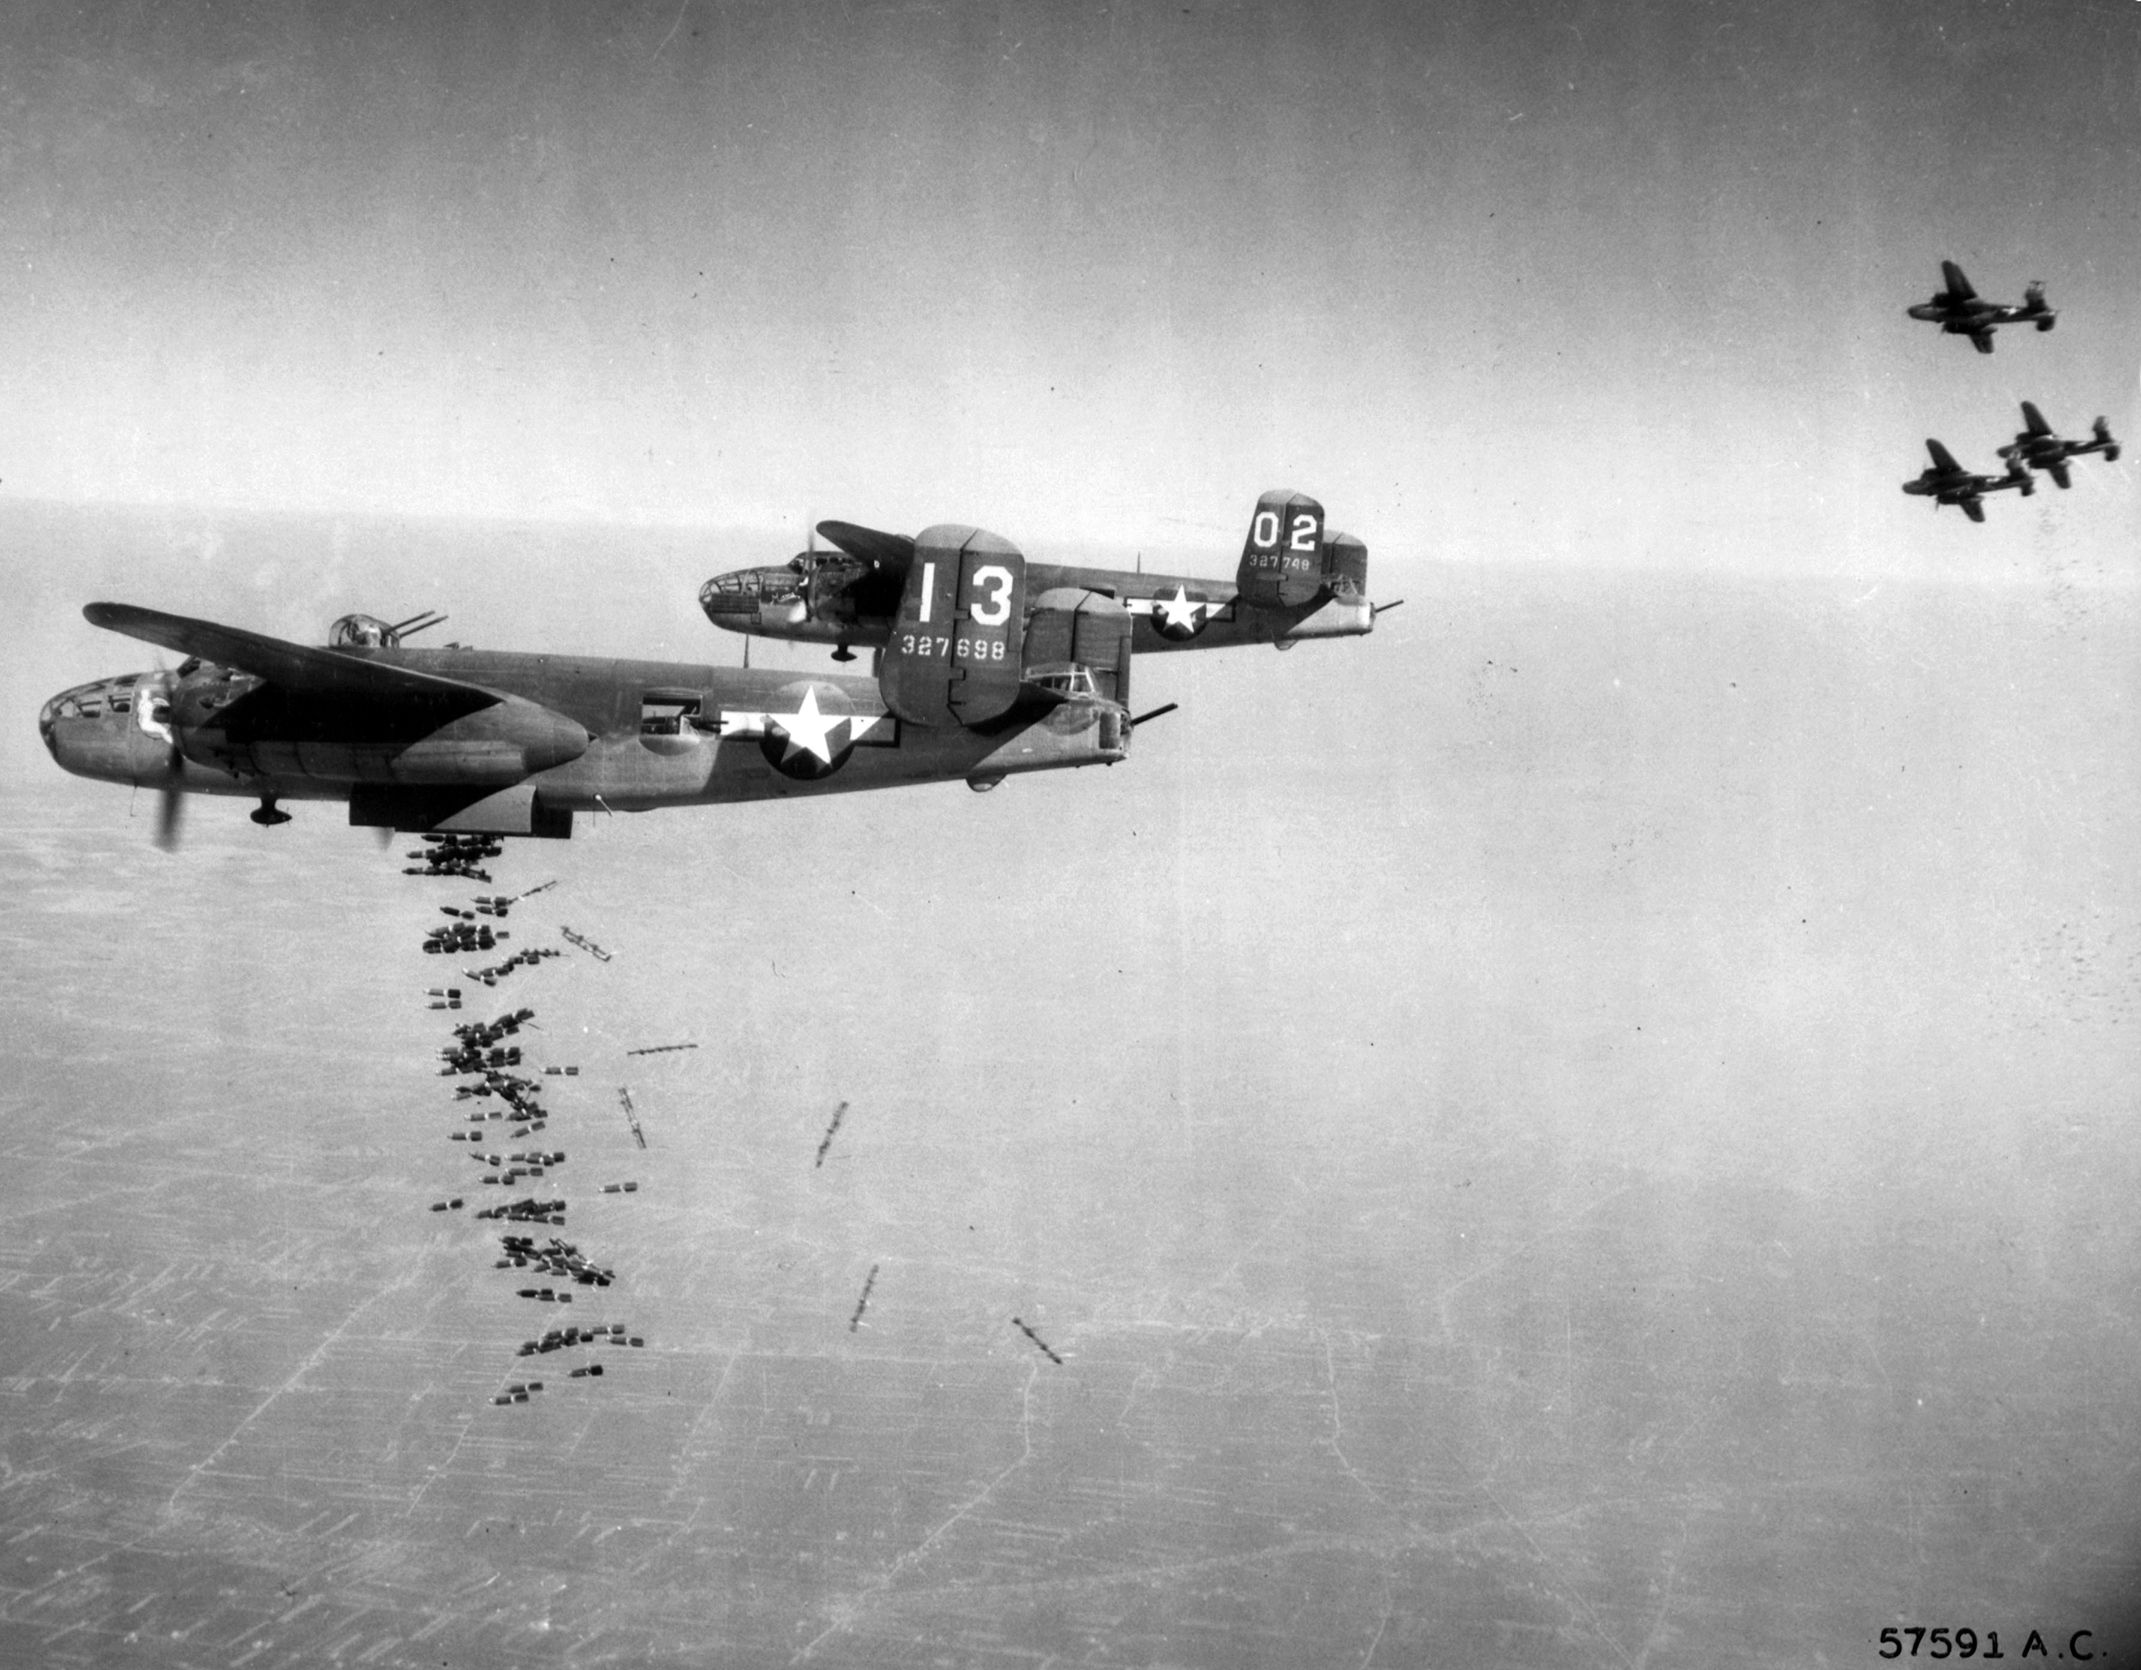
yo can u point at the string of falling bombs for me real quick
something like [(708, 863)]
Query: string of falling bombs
[(825, 1142), (480, 1051), (586, 944), (869, 1282), (1047, 1350), (483, 1052)]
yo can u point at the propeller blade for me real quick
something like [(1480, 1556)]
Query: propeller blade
[(1377, 610), (170, 808), (1154, 714)]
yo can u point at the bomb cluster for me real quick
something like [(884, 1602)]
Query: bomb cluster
[(497, 1086)]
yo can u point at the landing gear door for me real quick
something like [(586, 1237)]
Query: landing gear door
[(953, 654)]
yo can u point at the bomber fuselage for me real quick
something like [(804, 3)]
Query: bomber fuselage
[(568, 733), (833, 600)]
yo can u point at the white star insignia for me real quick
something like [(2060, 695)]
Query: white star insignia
[(808, 730), (1177, 613)]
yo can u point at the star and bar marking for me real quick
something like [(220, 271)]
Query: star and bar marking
[(808, 730)]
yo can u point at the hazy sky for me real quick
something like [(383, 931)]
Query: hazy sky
[(1614, 282)]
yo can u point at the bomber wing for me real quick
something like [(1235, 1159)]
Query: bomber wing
[(2057, 470), (1958, 286), (294, 667), (890, 550), (1943, 457)]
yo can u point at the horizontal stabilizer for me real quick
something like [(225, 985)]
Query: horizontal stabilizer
[(294, 667)]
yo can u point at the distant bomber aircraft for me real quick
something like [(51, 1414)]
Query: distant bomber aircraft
[(1946, 482), (2036, 446), (1961, 311), (1295, 581), (977, 681)]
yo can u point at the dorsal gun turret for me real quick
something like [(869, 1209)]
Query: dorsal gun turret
[(370, 632)]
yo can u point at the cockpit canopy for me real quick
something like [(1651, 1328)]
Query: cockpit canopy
[(749, 587), (91, 701)]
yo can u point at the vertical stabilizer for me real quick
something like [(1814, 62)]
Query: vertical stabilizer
[(1282, 560)]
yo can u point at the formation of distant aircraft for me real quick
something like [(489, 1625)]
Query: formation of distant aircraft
[(986, 666), (1960, 311)]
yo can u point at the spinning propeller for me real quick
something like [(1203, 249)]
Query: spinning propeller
[(153, 708)]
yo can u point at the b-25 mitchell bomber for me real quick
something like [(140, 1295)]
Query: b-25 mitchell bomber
[(1960, 311), (1946, 482), (1295, 580), (2035, 445), (977, 685)]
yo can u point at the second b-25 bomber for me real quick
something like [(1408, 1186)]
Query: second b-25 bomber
[(1295, 580)]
